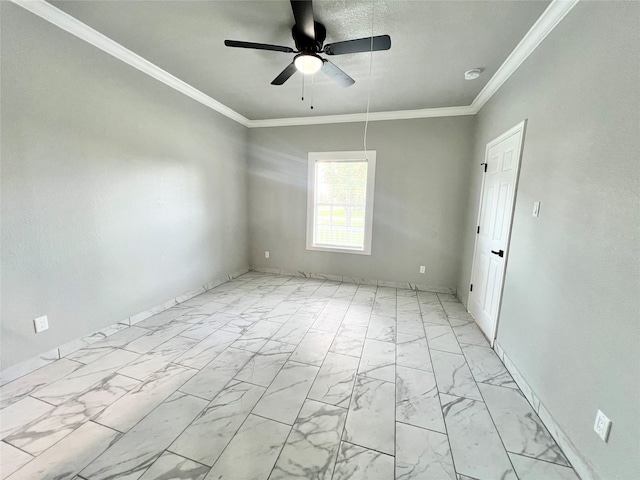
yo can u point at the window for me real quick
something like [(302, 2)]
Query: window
[(340, 201)]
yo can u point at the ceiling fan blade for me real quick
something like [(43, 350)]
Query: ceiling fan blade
[(258, 46), (303, 13), (381, 42), (285, 74), (332, 71)]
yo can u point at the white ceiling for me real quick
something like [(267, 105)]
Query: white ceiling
[(433, 44)]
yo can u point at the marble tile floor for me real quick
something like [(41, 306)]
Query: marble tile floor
[(278, 377)]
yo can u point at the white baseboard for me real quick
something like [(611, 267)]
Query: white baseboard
[(360, 281), (15, 371), (28, 366), (579, 463)]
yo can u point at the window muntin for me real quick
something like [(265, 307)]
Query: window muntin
[(340, 201)]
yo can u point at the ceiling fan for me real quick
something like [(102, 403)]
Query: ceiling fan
[(309, 37)]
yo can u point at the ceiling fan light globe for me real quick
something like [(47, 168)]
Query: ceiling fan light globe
[(308, 63)]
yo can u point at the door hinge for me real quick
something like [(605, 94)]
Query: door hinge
[(478, 231), (485, 166), (471, 288)]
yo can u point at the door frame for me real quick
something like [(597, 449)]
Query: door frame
[(521, 129)]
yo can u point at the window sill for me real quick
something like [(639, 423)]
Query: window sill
[(338, 250)]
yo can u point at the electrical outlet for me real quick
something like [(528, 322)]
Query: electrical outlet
[(602, 426), (41, 324), (422, 268), (266, 254)]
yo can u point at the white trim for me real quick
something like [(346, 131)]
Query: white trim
[(520, 130), (421, 287), (520, 127), (578, 461), (553, 14), (81, 30), (370, 157), (361, 117)]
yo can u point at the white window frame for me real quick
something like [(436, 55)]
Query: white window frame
[(314, 157)]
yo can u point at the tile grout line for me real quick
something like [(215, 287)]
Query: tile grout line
[(33, 457), (326, 403), (273, 420), (435, 379), (204, 408), (307, 394), (91, 387), (36, 389), (249, 414), (166, 450), (177, 390), (494, 424), (369, 448), (353, 386), (207, 406), (93, 420), (174, 439), (420, 427), (518, 389), (68, 401), (35, 398), (485, 403), (395, 394), (496, 427), (535, 410)]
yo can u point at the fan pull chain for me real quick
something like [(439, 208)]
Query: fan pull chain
[(312, 91), (303, 88)]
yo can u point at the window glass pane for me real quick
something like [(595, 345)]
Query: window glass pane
[(341, 182), (341, 189), (339, 215), (323, 234), (357, 217), (323, 215)]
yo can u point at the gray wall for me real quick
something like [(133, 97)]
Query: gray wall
[(570, 313), (420, 193), (118, 193)]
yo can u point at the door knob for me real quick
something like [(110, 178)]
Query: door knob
[(500, 253)]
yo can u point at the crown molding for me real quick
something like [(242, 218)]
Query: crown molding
[(552, 15), (81, 30), (361, 117)]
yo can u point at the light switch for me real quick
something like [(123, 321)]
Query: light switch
[(536, 209), (602, 426)]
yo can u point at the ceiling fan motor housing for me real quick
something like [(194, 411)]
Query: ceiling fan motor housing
[(305, 44)]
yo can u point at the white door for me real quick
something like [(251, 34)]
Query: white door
[(497, 198)]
